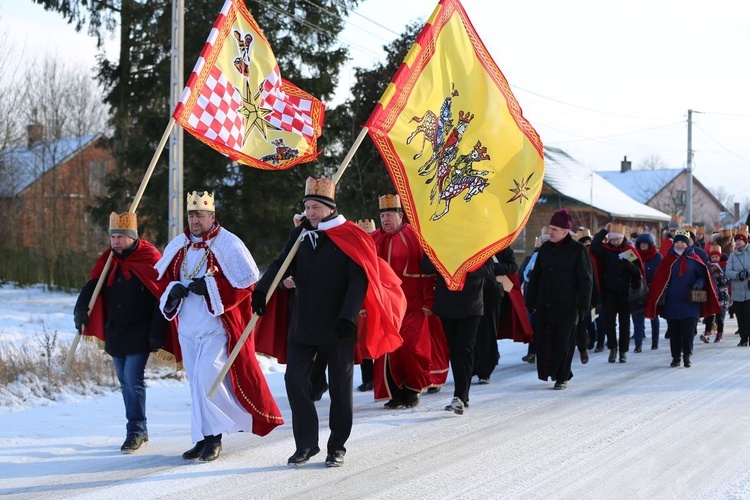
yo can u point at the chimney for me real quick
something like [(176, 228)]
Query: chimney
[(625, 165), (736, 211), (35, 133)]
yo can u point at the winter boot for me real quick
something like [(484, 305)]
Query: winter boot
[(612, 355), (623, 357), (675, 362), (718, 337), (686, 361)]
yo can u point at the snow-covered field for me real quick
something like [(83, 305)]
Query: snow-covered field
[(634, 430)]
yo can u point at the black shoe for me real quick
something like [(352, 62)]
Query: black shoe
[(742, 343), (705, 338), (529, 358), (687, 361), (638, 349), (561, 386), (411, 400), (301, 457), (654, 347), (211, 451), (364, 387), (612, 355), (195, 452), (599, 349), (133, 443), (675, 362), (623, 357), (483, 381), (584, 357), (335, 459), (433, 390), (394, 404)]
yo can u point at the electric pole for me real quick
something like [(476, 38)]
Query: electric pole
[(689, 172), (176, 85)]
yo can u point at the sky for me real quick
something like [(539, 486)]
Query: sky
[(600, 81), (634, 430)]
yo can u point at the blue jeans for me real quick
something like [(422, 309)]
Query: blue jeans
[(130, 374), (639, 329)]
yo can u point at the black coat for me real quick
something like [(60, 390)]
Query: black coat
[(462, 303), (329, 285), (134, 323), (559, 289), (616, 275)]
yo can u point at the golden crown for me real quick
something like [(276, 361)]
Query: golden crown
[(389, 203), (742, 230), (700, 230), (202, 200), (123, 222), (368, 225), (617, 228), (682, 231), (677, 218), (714, 249), (320, 187), (726, 233)]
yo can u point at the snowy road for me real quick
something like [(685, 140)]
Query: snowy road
[(634, 430)]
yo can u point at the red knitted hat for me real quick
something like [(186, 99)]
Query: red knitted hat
[(561, 219)]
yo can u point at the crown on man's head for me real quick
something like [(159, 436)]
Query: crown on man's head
[(389, 203), (201, 200), (700, 230), (125, 223), (322, 190), (677, 218), (368, 225)]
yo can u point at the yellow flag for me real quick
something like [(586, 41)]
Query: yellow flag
[(237, 102), (466, 163)]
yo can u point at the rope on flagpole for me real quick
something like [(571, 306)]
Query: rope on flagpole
[(133, 207)]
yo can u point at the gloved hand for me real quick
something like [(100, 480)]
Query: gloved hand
[(179, 291), (258, 302), (742, 275), (697, 286), (81, 318), (344, 328), (198, 286)]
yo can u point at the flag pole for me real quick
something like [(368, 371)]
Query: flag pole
[(133, 207), (290, 256)]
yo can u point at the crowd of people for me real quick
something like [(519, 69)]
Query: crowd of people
[(342, 293)]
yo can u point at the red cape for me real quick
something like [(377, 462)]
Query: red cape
[(271, 331), (141, 263), (384, 302), (661, 279), (515, 324)]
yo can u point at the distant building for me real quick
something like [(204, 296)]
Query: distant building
[(666, 190), (591, 200), (47, 189)]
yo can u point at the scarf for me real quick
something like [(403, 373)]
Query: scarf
[(648, 253)]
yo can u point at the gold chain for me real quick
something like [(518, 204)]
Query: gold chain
[(202, 261)]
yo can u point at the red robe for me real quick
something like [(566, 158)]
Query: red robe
[(409, 364), (141, 263), (248, 382), (384, 302), (515, 324), (661, 280)]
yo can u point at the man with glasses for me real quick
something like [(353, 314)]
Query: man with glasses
[(210, 272)]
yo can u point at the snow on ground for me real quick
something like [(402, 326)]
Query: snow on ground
[(634, 430)]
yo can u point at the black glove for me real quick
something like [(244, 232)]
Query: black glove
[(258, 302), (742, 275), (81, 318), (697, 286), (344, 328), (198, 286), (179, 291)]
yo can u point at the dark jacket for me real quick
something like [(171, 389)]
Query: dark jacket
[(134, 323), (505, 265), (616, 275), (559, 289), (329, 286), (462, 303)]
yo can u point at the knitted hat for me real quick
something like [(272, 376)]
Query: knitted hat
[(645, 238), (561, 219), (683, 236), (322, 190), (125, 224)]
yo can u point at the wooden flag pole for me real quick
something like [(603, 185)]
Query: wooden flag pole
[(133, 207), (292, 252)]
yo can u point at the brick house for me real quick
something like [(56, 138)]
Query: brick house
[(591, 200), (48, 188)]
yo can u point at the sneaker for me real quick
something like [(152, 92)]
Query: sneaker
[(133, 443), (394, 404), (301, 457), (561, 386), (335, 459), (364, 387), (704, 337), (456, 406), (483, 381), (433, 390)]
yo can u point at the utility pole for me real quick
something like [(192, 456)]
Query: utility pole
[(689, 172), (176, 85)]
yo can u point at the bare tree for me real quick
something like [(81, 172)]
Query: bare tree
[(652, 162)]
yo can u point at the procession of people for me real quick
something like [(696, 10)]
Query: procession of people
[(375, 295)]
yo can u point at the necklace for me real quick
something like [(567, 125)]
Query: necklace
[(202, 261)]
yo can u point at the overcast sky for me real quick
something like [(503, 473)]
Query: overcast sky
[(599, 80)]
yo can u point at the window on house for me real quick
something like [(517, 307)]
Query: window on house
[(97, 177), (680, 198)]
